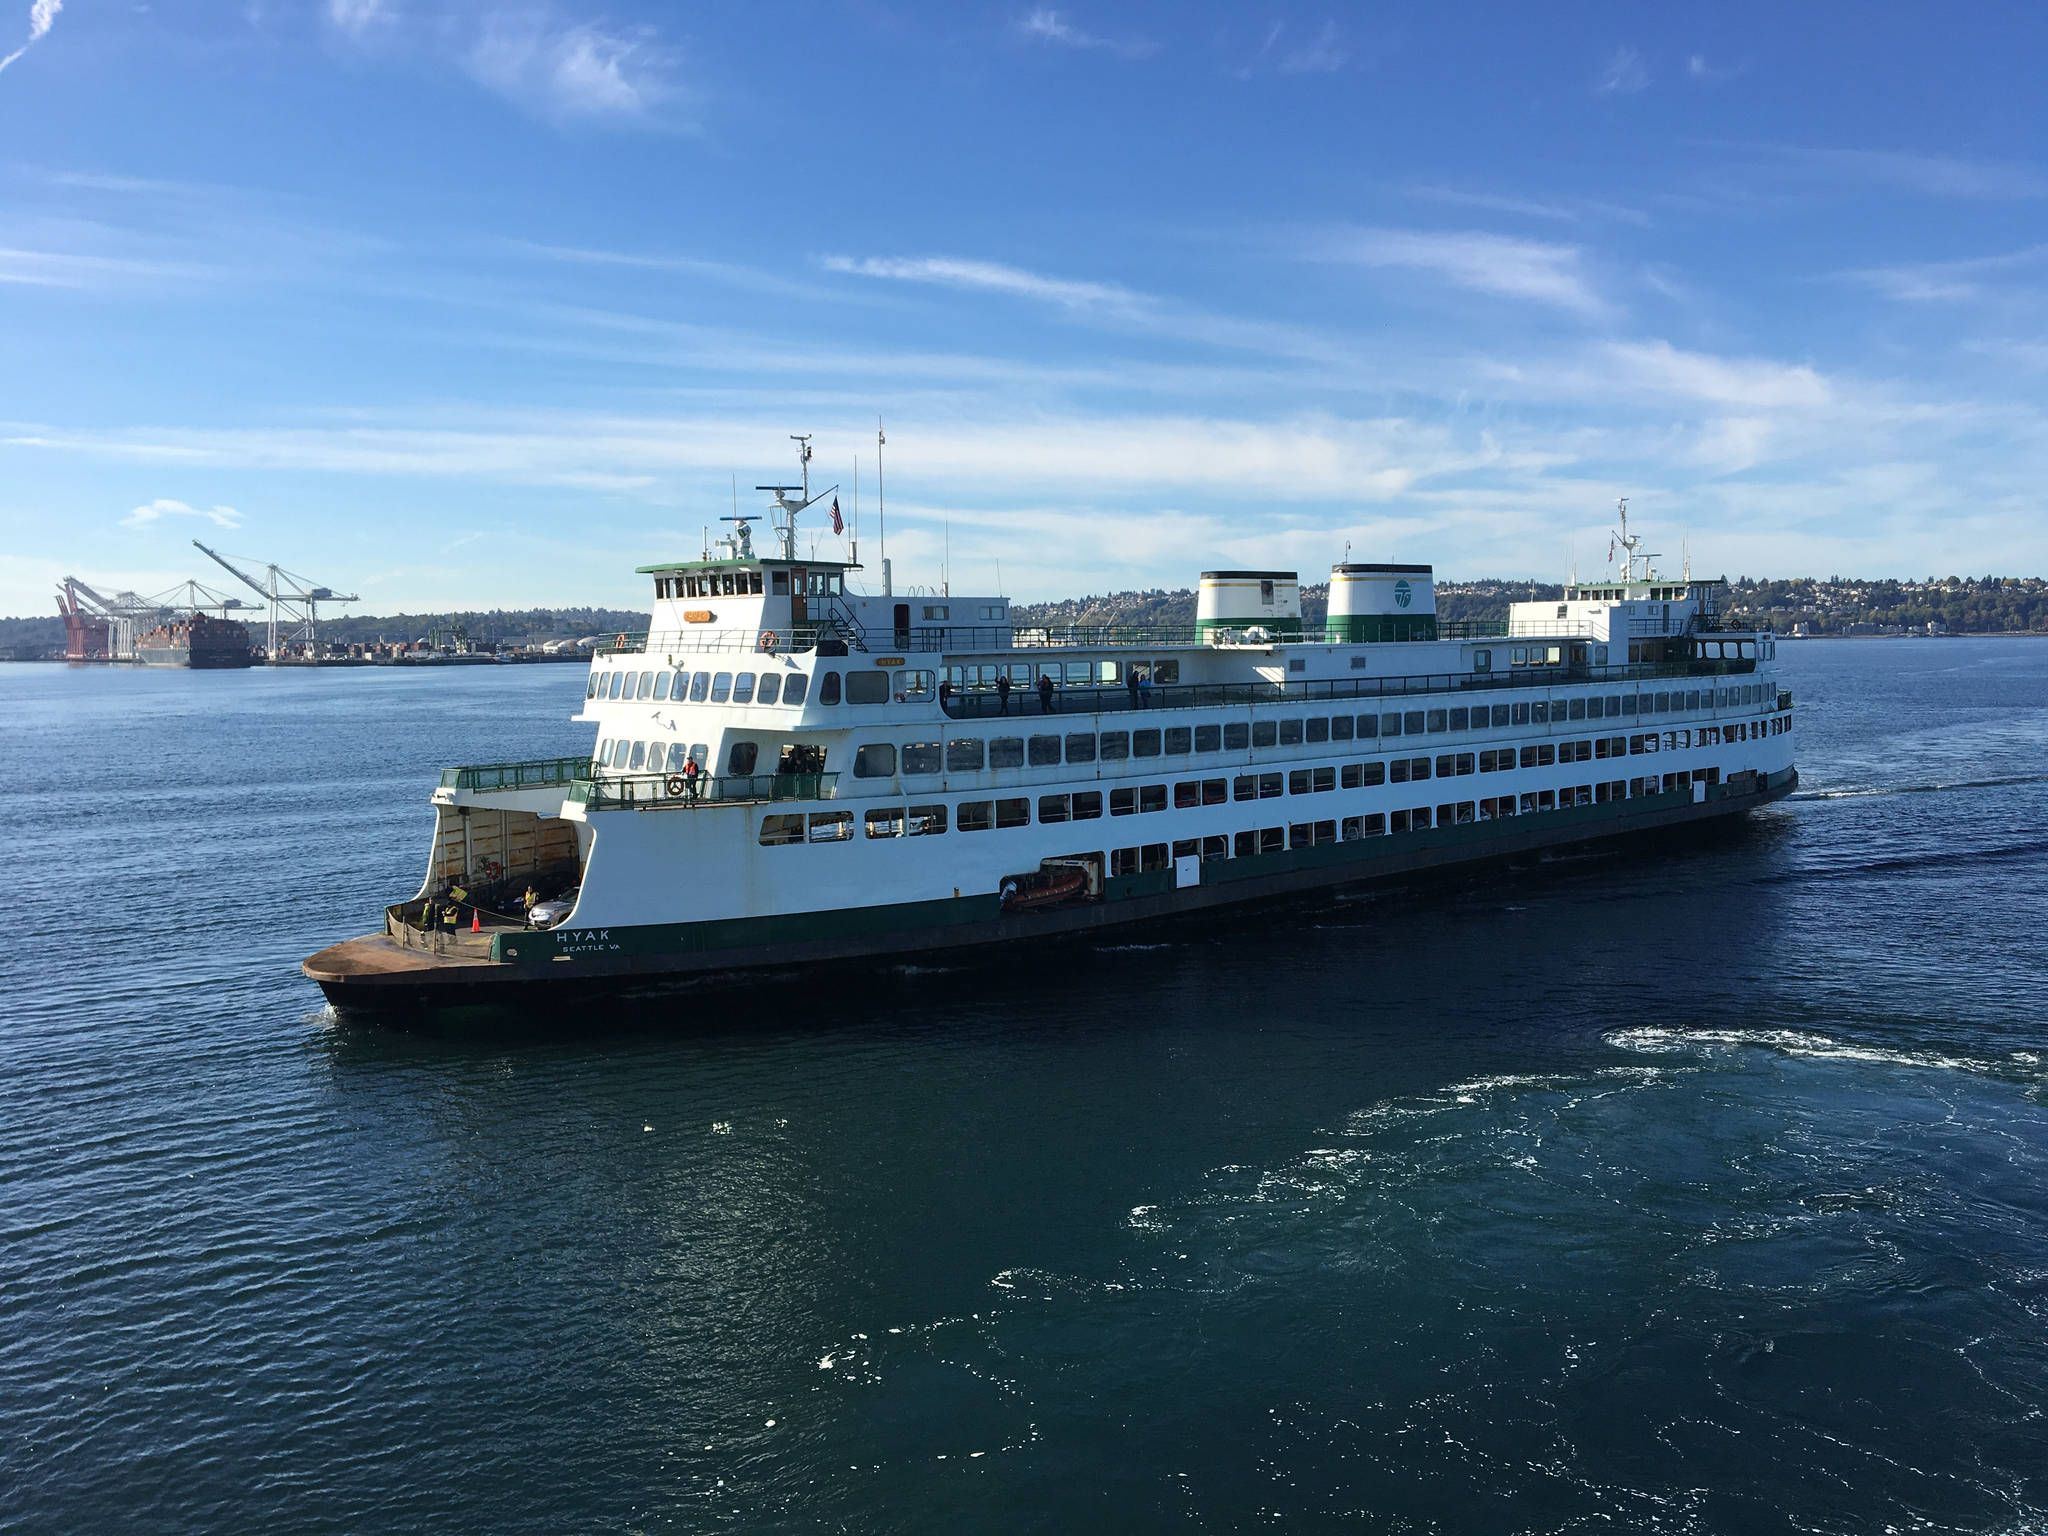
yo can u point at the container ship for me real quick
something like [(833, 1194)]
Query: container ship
[(198, 641), (786, 772)]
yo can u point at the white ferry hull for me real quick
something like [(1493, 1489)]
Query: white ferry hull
[(377, 973)]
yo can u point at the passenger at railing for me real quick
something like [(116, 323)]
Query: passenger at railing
[(1003, 694), (1131, 684), (946, 697), (1145, 688), (690, 775), (1046, 706)]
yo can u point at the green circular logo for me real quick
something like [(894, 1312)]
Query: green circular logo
[(1403, 594)]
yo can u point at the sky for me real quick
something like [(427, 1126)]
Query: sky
[(483, 305)]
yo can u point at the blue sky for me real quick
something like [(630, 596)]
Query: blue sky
[(486, 304)]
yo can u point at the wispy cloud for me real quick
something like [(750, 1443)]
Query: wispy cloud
[(731, 274), (1754, 383), (539, 56), (1697, 68), (1323, 54), (1624, 74), (1532, 270), (42, 15), (73, 269), (1049, 26), (1926, 175), (1947, 281), (988, 277), (574, 72), (155, 511), (358, 16), (1572, 211)]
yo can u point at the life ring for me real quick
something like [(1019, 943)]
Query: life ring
[(674, 785), (767, 639), (620, 641)]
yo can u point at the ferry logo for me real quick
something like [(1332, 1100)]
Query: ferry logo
[(1403, 593)]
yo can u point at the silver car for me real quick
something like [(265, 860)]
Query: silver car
[(545, 914)]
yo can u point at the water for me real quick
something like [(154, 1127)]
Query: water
[(1699, 1191)]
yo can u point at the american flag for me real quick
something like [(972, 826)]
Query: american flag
[(838, 526)]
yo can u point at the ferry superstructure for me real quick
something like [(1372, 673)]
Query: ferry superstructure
[(787, 771)]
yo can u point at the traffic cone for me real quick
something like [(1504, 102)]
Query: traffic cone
[(476, 920)]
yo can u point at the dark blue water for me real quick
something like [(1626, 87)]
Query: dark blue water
[(1695, 1190)]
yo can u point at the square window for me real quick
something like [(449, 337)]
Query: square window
[(1081, 749), (1043, 751), (1265, 733), (1013, 813), (1052, 808), (1460, 718), (1236, 736), (1340, 727), (1411, 723), (1088, 805), (1290, 733), (963, 755), (1144, 743), (1319, 730), (1005, 751), (1151, 797), (1178, 740), (1116, 746), (1208, 738), (975, 815)]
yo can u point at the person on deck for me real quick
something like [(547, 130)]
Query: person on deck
[(1003, 694), (690, 772), (1045, 700), (1131, 685)]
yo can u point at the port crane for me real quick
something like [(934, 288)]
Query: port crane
[(293, 600), (97, 627)]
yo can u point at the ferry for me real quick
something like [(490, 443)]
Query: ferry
[(787, 771)]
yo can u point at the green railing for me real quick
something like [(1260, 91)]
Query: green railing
[(532, 775), (647, 791)]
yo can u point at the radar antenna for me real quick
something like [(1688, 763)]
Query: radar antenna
[(1630, 543), (785, 530)]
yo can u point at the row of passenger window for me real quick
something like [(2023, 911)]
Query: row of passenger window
[(1015, 811), (878, 687), (790, 688), (623, 756), (967, 754), (970, 754)]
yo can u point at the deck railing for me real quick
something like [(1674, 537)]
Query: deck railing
[(649, 791), (965, 639), (1024, 701), (538, 774)]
